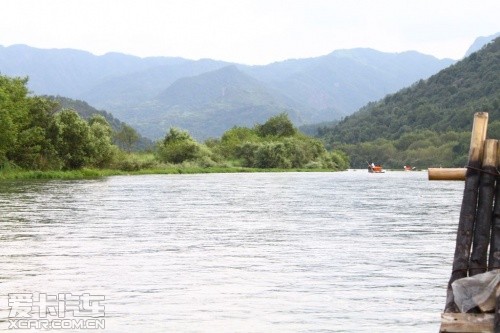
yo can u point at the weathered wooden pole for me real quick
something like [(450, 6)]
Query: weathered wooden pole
[(468, 210), (494, 259), (482, 226), (446, 173)]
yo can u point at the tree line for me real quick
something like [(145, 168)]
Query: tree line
[(274, 144), (37, 134)]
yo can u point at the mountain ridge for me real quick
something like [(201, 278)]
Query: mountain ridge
[(428, 121), (312, 90)]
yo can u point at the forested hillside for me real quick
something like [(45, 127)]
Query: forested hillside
[(427, 124), (205, 104)]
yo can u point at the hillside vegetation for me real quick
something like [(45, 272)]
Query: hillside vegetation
[(119, 127), (429, 123), (156, 93), (39, 134)]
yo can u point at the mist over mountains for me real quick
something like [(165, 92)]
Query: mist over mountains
[(207, 97)]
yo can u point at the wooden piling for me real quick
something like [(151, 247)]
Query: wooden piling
[(494, 258), (482, 227), (468, 210), (446, 173)]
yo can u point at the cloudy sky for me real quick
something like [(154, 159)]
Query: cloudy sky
[(248, 31)]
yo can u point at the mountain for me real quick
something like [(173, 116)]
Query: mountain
[(428, 117), (345, 80), (310, 90), (480, 42), (139, 87), (205, 104), (139, 90), (69, 72)]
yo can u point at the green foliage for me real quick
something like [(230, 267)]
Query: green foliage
[(7, 134), (72, 137), (277, 126), (13, 111), (246, 153), (421, 149), (177, 147), (273, 145), (34, 148), (103, 151), (336, 159), (276, 144), (231, 140), (272, 155), (35, 134), (127, 138)]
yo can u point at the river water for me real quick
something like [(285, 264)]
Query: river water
[(263, 252)]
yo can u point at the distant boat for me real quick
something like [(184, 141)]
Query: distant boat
[(375, 168), (409, 168)]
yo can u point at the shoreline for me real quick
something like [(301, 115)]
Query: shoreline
[(83, 174)]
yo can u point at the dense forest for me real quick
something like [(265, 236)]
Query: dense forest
[(39, 133), (429, 123)]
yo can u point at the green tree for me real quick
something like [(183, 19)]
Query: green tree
[(13, 112), (246, 152), (73, 139), (7, 134), (272, 155), (34, 148), (232, 139), (278, 126), (103, 150), (126, 137), (177, 147)]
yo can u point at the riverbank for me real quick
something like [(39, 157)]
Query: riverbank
[(99, 173)]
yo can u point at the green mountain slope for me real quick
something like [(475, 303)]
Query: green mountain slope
[(132, 89), (345, 80), (442, 104), (210, 103), (480, 42)]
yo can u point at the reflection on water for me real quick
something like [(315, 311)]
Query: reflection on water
[(342, 252)]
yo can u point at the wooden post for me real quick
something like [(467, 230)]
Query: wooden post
[(468, 210), (446, 173), (494, 259), (482, 228)]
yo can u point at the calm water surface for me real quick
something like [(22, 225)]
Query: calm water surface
[(284, 252)]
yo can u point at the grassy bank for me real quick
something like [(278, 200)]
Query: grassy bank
[(99, 173)]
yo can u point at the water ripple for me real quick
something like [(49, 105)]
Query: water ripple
[(304, 252)]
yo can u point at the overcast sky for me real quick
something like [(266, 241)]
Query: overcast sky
[(248, 31)]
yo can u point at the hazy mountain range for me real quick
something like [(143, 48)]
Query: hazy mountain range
[(206, 96)]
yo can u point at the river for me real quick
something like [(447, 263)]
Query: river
[(258, 252)]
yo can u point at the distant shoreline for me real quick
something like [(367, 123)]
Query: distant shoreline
[(83, 174)]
